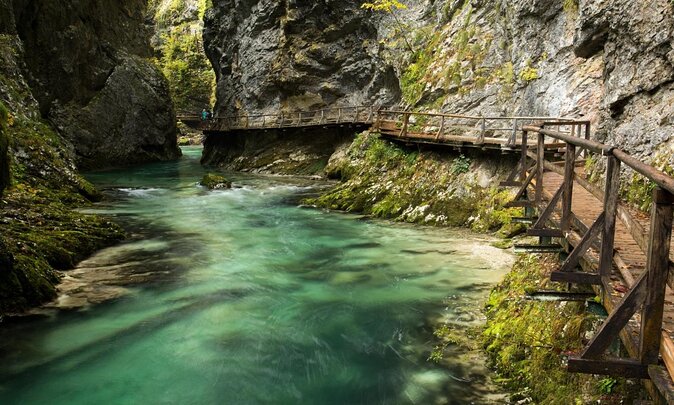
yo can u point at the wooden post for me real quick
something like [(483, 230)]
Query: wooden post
[(339, 115), (523, 157), (587, 136), (569, 177), (513, 137), (406, 121), (264, 120), (442, 127), (483, 129), (611, 196), (355, 117), (540, 167), (299, 118), (657, 266)]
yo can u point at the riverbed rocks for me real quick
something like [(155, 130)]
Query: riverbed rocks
[(215, 182)]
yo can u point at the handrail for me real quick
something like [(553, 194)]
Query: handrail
[(658, 177), (477, 117)]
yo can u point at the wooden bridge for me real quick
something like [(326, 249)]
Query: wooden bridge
[(623, 254), (486, 132)]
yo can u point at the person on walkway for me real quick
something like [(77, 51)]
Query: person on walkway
[(204, 115)]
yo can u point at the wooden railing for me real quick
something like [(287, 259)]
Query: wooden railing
[(648, 290), (477, 130), (295, 119)]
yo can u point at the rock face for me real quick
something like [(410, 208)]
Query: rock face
[(274, 55), (279, 152), (609, 61), (76, 86), (4, 145), (88, 66)]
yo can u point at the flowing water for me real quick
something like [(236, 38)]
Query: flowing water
[(242, 297)]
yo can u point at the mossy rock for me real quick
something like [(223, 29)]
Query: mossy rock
[(215, 182)]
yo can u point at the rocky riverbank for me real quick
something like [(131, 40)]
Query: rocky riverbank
[(420, 185), (77, 90)]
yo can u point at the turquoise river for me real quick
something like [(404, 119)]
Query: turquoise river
[(242, 296)]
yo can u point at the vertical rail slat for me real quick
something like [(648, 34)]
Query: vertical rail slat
[(442, 127), (567, 194), (611, 195), (523, 156), (540, 166), (406, 121), (657, 266)]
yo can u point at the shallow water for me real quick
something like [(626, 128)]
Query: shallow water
[(242, 297)]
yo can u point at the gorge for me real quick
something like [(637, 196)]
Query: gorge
[(89, 93)]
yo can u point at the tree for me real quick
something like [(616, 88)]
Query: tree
[(390, 6)]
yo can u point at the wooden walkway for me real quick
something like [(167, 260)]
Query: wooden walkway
[(623, 254), (439, 129)]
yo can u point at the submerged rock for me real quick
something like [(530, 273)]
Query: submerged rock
[(215, 182)]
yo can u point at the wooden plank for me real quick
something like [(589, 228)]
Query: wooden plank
[(663, 382), (617, 320), (519, 204), (523, 156), (657, 266), (574, 277), (612, 367), (573, 260), (522, 220), (611, 196), (552, 248), (521, 192), (546, 233), (510, 184), (667, 351)]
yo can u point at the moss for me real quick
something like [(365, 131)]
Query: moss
[(528, 341), (215, 182), (181, 56), (4, 144), (385, 180), (570, 6), (528, 74), (43, 234)]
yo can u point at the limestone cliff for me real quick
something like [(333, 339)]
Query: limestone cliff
[(609, 61), (76, 89), (88, 67), (274, 55)]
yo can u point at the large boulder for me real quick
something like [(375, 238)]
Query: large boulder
[(88, 67)]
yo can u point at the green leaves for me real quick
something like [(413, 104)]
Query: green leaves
[(384, 5)]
